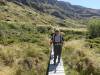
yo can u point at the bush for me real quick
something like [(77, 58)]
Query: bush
[(80, 59), (44, 29), (94, 28)]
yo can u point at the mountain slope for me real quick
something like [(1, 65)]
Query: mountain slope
[(24, 30), (24, 48), (61, 9), (13, 12), (21, 50)]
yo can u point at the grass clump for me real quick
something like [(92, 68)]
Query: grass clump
[(23, 49), (24, 58), (79, 59)]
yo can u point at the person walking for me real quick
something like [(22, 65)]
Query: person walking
[(57, 41)]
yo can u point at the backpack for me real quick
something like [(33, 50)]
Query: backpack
[(61, 38)]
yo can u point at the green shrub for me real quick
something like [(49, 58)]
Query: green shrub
[(94, 44), (44, 29), (94, 28)]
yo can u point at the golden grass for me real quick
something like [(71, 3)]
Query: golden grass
[(74, 29), (79, 51), (6, 71), (19, 52), (75, 44)]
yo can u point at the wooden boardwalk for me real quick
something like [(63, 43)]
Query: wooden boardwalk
[(57, 69)]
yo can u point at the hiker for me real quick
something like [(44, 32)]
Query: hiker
[(57, 41)]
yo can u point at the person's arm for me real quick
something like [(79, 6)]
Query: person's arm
[(62, 40), (51, 40)]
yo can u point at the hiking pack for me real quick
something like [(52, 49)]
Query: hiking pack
[(61, 38)]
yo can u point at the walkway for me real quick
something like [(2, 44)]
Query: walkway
[(57, 69)]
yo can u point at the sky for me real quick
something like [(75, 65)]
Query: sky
[(87, 3)]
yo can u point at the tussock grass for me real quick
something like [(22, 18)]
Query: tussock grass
[(23, 49), (26, 57), (79, 59)]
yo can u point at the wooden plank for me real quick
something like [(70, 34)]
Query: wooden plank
[(57, 69)]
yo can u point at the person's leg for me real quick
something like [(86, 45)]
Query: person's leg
[(55, 53), (59, 53)]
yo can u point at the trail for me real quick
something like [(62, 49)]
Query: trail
[(57, 69)]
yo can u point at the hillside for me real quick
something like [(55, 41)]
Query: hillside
[(61, 9), (25, 28), (23, 49), (13, 12)]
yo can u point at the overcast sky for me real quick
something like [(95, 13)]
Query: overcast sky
[(87, 3)]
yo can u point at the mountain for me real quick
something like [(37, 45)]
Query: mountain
[(77, 11), (61, 9)]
